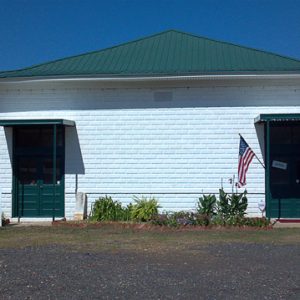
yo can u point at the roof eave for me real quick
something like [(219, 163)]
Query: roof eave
[(145, 78)]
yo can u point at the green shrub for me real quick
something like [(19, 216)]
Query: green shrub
[(165, 219), (207, 205), (162, 220), (184, 218), (231, 208), (127, 212), (202, 219), (257, 222), (106, 209), (144, 209), (175, 219)]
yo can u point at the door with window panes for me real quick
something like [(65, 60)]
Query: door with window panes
[(33, 172)]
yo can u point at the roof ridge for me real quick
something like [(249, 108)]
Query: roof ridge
[(237, 45), (90, 52), (84, 61)]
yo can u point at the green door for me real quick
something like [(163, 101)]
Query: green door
[(35, 187), (284, 198), (35, 194)]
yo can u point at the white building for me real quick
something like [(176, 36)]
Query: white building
[(159, 116)]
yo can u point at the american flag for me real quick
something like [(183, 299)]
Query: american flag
[(245, 157)]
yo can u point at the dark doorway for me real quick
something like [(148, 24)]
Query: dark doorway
[(35, 192), (284, 182)]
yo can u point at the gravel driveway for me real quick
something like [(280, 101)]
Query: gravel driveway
[(223, 271)]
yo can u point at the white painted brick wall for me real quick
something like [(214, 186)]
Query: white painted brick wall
[(126, 143)]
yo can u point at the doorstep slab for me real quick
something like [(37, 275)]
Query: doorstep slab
[(278, 224)]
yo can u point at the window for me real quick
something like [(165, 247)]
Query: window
[(29, 137)]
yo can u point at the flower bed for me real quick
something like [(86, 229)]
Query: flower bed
[(228, 210)]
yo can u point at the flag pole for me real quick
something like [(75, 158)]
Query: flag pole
[(254, 153)]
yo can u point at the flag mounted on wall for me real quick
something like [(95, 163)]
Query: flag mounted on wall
[(245, 157)]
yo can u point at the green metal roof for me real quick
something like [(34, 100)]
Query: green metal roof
[(167, 53), (16, 122)]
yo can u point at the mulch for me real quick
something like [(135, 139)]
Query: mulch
[(152, 227)]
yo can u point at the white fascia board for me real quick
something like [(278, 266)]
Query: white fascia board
[(153, 78)]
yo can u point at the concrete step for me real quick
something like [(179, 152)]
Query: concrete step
[(26, 224), (286, 223)]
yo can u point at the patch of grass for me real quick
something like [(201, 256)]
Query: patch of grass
[(113, 238)]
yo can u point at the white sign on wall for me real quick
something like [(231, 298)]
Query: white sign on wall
[(279, 164)]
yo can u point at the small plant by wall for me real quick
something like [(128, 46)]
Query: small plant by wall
[(144, 209), (230, 209), (4, 220), (175, 219), (106, 209), (207, 209), (257, 222)]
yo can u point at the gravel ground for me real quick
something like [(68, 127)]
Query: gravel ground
[(223, 271)]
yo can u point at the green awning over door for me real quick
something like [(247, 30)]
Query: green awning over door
[(24, 122), (276, 118)]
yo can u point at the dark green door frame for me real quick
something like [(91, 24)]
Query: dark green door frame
[(38, 154), (54, 171), (290, 193), (267, 169), (17, 123), (282, 183)]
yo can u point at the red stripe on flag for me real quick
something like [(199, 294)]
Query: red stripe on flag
[(244, 162)]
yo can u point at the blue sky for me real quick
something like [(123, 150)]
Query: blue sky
[(36, 31)]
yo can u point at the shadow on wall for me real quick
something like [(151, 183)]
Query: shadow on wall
[(260, 132), (74, 161), (9, 142)]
